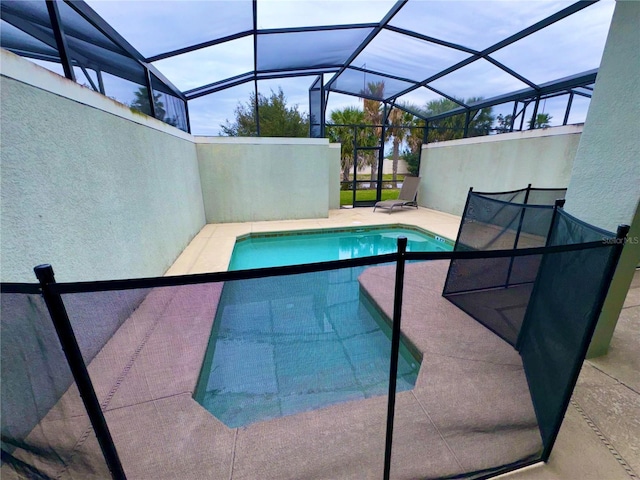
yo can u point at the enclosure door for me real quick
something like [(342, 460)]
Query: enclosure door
[(368, 155)]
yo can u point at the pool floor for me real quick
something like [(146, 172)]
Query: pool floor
[(285, 345)]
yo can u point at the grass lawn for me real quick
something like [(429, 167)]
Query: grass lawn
[(346, 196), (386, 177)]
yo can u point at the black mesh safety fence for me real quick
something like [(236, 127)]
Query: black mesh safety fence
[(42, 436), (512, 196), (495, 407), (289, 372), (303, 359), (470, 413), (496, 291), (490, 224), (563, 310), (528, 196), (144, 377), (545, 196), (96, 316), (192, 378)]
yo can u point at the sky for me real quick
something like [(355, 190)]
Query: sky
[(571, 46)]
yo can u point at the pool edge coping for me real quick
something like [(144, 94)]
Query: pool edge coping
[(364, 228)]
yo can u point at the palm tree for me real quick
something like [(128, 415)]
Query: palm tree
[(413, 136), (372, 110), (447, 128), (345, 135), (397, 133), (481, 120), (415, 133), (450, 128), (373, 116), (543, 120)]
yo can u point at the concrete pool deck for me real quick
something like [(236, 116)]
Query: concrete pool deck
[(598, 440), (211, 248), (600, 435)]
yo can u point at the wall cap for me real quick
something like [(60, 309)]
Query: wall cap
[(262, 140), (537, 133), (17, 68)]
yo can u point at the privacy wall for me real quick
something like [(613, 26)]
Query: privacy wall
[(605, 180), (495, 163), (102, 191), (249, 179), (88, 185)]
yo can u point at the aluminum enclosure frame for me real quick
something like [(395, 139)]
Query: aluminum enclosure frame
[(534, 93)]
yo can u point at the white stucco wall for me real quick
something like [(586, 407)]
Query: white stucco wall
[(605, 181), (508, 161), (334, 175), (87, 185), (250, 179)]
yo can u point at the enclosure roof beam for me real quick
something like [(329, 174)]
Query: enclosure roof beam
[(198, 46), (387, 18), (388, 75), (219, 85), (567, 83), (570, 10), (429, 39), (101, 25), (320, 28), (40, 34)]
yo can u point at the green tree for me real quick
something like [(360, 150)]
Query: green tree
[(503, 123), (415, 134), (413, 161), (397, 130), (543, 120), (447, 128), (413, 137), (452, 127), (276, 118), (405, 129), (141, 103)]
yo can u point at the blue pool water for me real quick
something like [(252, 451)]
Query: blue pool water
[(271, 250), (289, 344)]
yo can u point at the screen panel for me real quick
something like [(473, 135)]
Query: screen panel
[(295, 50), (45, 432)]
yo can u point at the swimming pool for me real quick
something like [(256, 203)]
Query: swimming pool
[(284, 345), (291, 248)]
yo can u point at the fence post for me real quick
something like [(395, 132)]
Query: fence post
[(395, 349), (515, 242), (558, 204), (61, 322), (456, 245)]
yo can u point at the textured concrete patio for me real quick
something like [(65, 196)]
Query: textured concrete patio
[(600, 434), (146, 374), (599, 438), (211, 249)]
